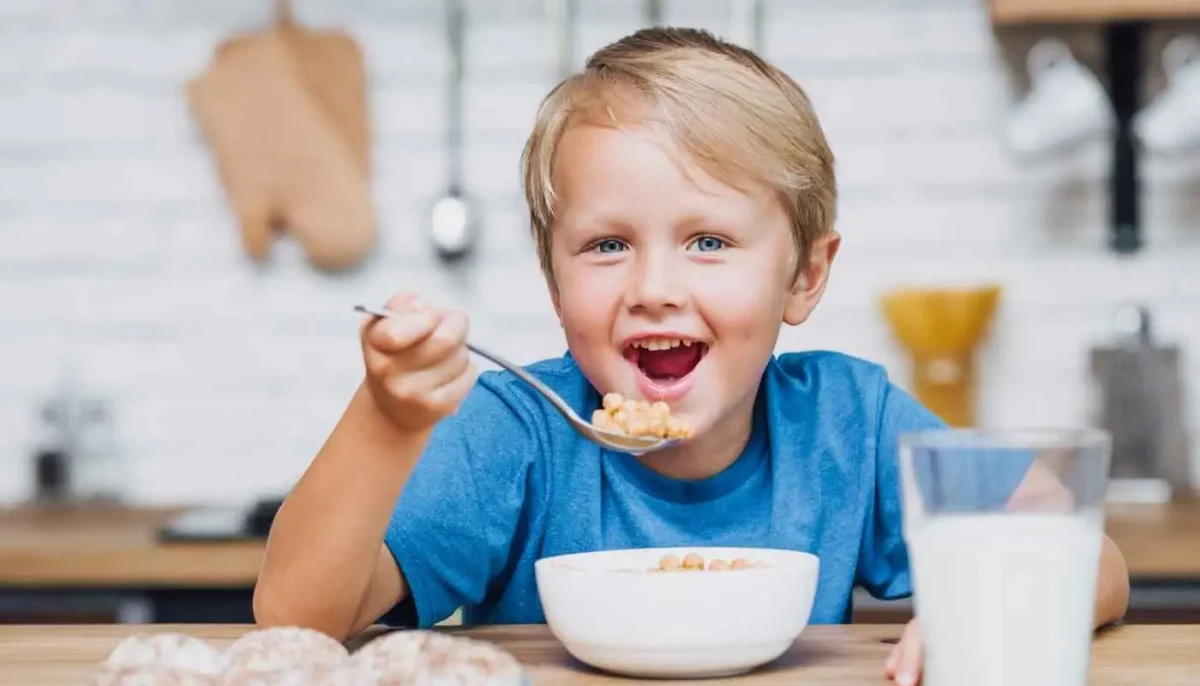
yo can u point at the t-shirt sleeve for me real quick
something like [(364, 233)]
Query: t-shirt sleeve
[(452, 528), (964, 479), (883, 559)]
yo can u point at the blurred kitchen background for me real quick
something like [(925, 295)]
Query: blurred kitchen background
[(166, 373)]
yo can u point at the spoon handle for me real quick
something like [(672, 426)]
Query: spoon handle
[(548, 393)]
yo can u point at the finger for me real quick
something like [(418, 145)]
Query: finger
[(445, 341), (405, 302), (422, 382), (448, 397), (398, 303), (402, 331), (889, 666), (908, 667)]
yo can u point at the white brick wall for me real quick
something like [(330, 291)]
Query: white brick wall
[(119, 252)]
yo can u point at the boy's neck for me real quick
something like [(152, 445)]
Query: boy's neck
[(710, 453)]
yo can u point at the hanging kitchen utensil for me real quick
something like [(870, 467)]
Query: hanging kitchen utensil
[(1137, 396), (454, 221), (941, 329), (281, 155), (653, 12), (561, 16), (333, 68), (746, 20)]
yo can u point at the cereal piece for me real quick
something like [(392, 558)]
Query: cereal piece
[(639, 418), (693, 562), (603, 420), (638, 426), (165, 651), (284, 648)]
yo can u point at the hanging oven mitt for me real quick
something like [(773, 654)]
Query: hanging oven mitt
[(332, 66), (280, 155)]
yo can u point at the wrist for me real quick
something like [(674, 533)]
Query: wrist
[(375, 425)]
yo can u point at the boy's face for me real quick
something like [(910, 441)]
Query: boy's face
[(670, 285)]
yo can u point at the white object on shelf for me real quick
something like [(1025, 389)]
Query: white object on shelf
[(1066, 105), (1171, 122)]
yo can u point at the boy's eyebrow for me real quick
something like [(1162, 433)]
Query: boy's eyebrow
[(593, 219), (695, 222)]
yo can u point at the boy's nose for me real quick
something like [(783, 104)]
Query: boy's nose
[(657, 284)]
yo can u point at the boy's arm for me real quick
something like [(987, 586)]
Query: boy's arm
[(1112, 582), (325, 565), (884, 565), (371, 525)]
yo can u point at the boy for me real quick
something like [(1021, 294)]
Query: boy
[(682, 199)]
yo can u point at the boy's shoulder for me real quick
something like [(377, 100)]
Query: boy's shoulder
[(829, 390), (497, 388), (821, 370)]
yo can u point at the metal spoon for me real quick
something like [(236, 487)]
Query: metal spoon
[(635, 445)]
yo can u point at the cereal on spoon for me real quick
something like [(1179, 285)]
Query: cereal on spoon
[(639, 418)]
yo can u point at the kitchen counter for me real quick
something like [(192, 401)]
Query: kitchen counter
[(116, 547), (56, 565), (1160, 655), (1160, 542)]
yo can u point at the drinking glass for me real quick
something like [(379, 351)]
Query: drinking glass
[(1004, 530)]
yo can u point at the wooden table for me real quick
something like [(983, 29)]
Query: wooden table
[(1144, 655)]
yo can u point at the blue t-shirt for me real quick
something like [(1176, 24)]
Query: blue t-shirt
[(505, 481)]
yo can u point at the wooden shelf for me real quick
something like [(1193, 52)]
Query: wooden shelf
[(1026, 12)]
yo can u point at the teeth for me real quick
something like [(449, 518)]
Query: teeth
[(661, 343)]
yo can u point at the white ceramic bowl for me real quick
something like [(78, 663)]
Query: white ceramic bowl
[(611, 612)]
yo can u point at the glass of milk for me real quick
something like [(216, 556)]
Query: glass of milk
[(1004, 532)]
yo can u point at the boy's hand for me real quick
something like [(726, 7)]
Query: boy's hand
[(418, 369), (904, 663)]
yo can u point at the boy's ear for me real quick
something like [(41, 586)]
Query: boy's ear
[(807, 291)]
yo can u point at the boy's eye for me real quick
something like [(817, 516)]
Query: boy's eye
[(608, 245), (708, 243)]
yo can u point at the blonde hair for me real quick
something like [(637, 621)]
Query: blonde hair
[(739, 117)]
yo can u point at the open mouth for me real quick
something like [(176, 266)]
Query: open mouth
[(665, 360)]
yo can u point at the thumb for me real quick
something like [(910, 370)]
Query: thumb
[(258, 233)]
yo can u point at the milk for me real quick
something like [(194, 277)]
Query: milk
[(1005, 599)]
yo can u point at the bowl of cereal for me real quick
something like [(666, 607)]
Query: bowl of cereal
[(695, 612)]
